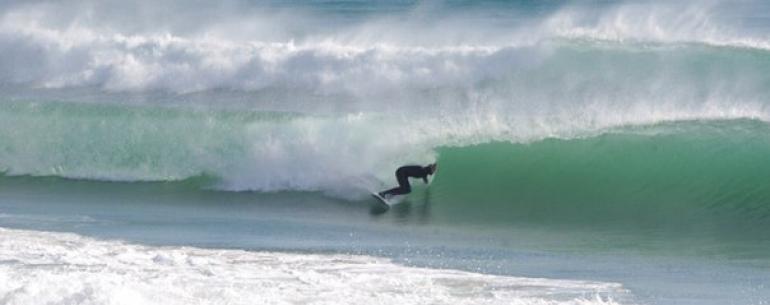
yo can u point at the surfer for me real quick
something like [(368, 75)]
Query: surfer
[(404, 173)]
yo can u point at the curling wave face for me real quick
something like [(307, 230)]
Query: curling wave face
[(674, 174)]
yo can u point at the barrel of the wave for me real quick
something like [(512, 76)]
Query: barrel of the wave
[(675, 176)]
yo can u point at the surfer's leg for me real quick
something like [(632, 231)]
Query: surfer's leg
[(403, 185), (391, 192), (396, 191)]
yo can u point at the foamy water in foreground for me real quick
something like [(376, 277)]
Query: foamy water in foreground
[(63, 268)]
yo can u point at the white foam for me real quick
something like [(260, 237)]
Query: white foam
[(62, 268), (370, 58), (699, 22)]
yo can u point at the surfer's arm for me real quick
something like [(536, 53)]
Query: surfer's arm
[(425, 173)]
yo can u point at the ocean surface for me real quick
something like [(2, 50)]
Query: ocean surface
[(223, 152)]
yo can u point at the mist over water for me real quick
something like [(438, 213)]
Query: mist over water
[(418, 50)]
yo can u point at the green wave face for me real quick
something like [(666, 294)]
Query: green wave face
[(681, 174), (242, 150), (113, 142), (703, 173)]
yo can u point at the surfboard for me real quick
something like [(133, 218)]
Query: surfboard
[(382, 200)]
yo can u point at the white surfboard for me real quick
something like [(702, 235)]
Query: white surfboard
[(382, 200)]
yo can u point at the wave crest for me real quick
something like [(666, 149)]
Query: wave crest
[(81, 50)]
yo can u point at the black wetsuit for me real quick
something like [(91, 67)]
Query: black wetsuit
[(403, 174)]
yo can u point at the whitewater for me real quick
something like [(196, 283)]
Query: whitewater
[(101, 272), (586, 149)]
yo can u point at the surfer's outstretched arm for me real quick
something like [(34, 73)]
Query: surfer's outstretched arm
[(429, 171)]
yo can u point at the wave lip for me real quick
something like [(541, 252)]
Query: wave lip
[(62, 268)]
